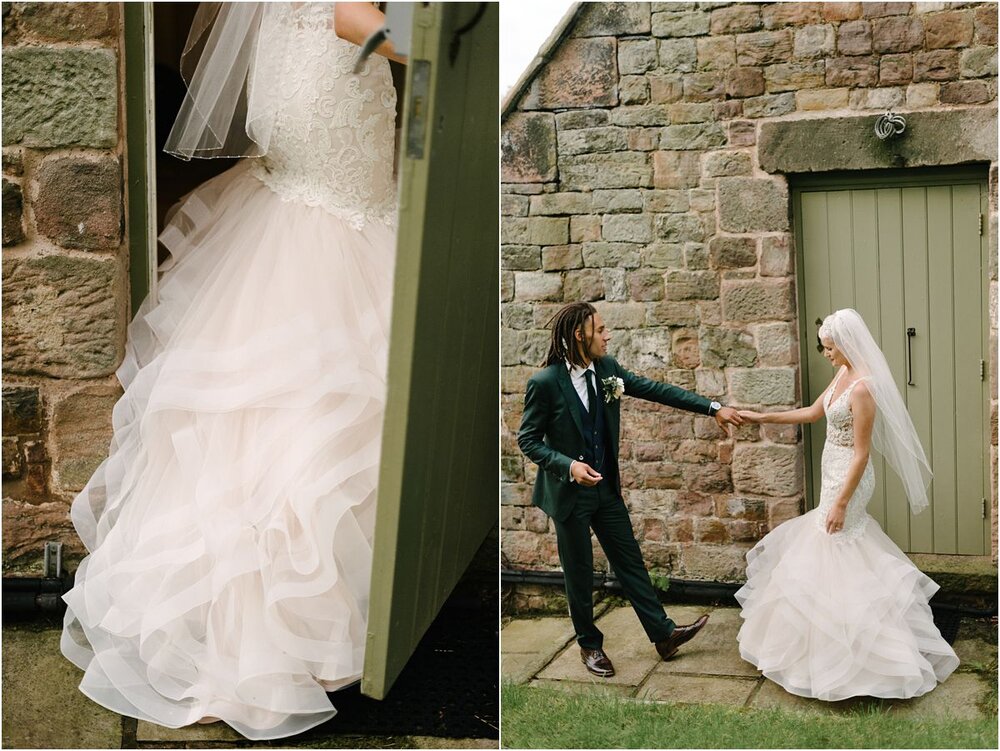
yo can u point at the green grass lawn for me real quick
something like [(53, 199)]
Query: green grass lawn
[(548, 718)]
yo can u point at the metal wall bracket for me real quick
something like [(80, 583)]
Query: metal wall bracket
[(53, 560), (889, 125)]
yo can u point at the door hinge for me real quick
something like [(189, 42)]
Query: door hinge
[(982, 370), (980, 224)]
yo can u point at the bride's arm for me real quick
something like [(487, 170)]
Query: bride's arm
[(355, 22), (863, 411), (789, 416)]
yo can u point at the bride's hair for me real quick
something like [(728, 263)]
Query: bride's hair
[(562, 345)]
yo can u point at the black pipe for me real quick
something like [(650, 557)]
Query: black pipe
[(680, 589), (31, 596)]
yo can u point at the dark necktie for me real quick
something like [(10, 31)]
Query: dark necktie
[(591, 392)]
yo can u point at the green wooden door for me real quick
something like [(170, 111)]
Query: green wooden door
[(437, 484), (907, 250)]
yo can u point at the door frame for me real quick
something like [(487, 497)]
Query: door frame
[(963, 174)]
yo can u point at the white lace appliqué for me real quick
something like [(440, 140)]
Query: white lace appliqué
[(333, 137), (837, 455)]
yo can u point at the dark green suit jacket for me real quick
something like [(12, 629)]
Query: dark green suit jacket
[(551, 433)]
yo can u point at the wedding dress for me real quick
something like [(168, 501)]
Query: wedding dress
[(834, 616), (229, 531)]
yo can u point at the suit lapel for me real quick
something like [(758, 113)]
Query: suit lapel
[(611, 409), (570, 395)]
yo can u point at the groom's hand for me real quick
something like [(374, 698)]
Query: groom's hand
[(728, 416), (584, 474)]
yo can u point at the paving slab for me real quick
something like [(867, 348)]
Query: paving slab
[(430, 741), (957, 698), (772, 695), (974, 651), (591, 688), (42, 704), (211, 732), (714, 651), (697, 689), (536, 635), (521, 668)]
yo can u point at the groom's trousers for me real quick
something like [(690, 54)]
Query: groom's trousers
[(600, 508)]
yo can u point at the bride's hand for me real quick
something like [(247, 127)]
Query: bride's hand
[(835, 519), (752, 416)]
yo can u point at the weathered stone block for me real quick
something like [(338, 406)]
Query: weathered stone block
[(22, 411), (877, 99), (623, 255), (645, 286), (585, 285), (709, 562), (776, 343), (788, 14), (937, 65), (678, 55), (693, 136), (695, 256), (13, 227), (637, 56), (68, 22), (948, 29), (79, 202), (794, 76), (966, 92), (614, 284), (513, 206), (665, 88), (978, 62), (81, 433), (592, 140), (528, 148), (646, 115), (821, 99), (758, 300), (684, 112), (769, 105), (562, 257), (632, 228), (722, 347), (727, 163), (545, 230), (922, 94), (735, 18), (561, 204), (617, 201), (678, 228), (643, 139), (767, 470), (986, 24), (764, 47), (704, 87), (13, 462), (854, 38), (28, 526), (895, 69), (663, 256), (814, 41), (623, 315), (13, 162), (537, 285), (521, 257), (716, 53), (676, 169), (692, 285), (573, 119), (583, 73), (841, 11), (622, 169), (633, 90), (506, 286), (880, 10), (751, 205), (682, 24), (743, 82), (776, 255), (897, 34), (665, 201), (765, 386), (63, 316), (60, 97), (852, 71), (612, 19), (733, 252)]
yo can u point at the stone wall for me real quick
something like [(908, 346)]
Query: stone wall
[(65, 262), (634, 176)]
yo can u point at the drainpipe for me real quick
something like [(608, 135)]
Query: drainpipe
[(27, 597)]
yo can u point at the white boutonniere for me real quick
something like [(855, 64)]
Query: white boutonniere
[(614, 387)]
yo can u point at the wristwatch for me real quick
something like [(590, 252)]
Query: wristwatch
[(713, 408)]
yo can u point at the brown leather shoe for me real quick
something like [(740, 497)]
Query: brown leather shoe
[(597, 662), (681, 634)]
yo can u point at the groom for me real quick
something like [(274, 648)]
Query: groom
[(570, 430)]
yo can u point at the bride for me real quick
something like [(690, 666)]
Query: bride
[(229, 531), (832, 608)]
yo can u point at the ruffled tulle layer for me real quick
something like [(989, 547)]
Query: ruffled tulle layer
[(831, 619), (230, 528)]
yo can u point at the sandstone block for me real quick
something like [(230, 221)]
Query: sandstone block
[(692, 285), (643, 139), (723, 347), (776, 258), (680, 24), (854, 38), (28, 526), (727, 163), (633, 90), (922, 94), (966, 92), (616, 255), (506, 286), (513, 205), (574, 119), (521, 257), (704, 87), (767, 470), (949, 29), (633, 228), (678, 55), (733, 252), (536, 285), (897, 34), (68, 22), (556, 204), (684, 349), (764, 386), (758, 300), (685, 112), (80, 202), (637, 56), (623, 169), (645, 286), (583, 73), (716, 52), (814, 41), (738, 17), (678, 228), (617, 201), (711, 562), (841, 11), (895, 69), (769, 105), (676, 169), (81, 434), (584, 285), (789, 14), (692, 136), (528, 148), (622, 315), (663, 256), (880, 10), (695, 256), (649, 114), (936, 65), (877, 99), (60, 97), (545, 230), (13, 227), (794, 76), (743, 82), (764, 47), (985, 25), (821, 99), (750, 205), (613, 19), (852, 71), (591, 140), (776, 343), (562, 257), (665, 88), (977, 62)]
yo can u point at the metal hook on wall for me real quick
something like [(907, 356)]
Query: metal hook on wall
[(889, 125)]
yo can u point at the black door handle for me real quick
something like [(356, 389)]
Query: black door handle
[(910, 333)]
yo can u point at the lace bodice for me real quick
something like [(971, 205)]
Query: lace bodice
[(837, 454), (334, 131)]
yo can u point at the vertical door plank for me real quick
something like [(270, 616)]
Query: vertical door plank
[(941, 449), (969, 401), (839, 225)]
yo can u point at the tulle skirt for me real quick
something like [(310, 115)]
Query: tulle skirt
[(829, 619), (230, 528)]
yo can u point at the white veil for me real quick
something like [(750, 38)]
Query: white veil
[(231, 63), (893, 434)]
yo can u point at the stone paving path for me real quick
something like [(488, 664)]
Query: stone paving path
[(707, 670)]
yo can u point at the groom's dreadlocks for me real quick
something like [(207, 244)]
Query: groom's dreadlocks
[(564, 325)]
